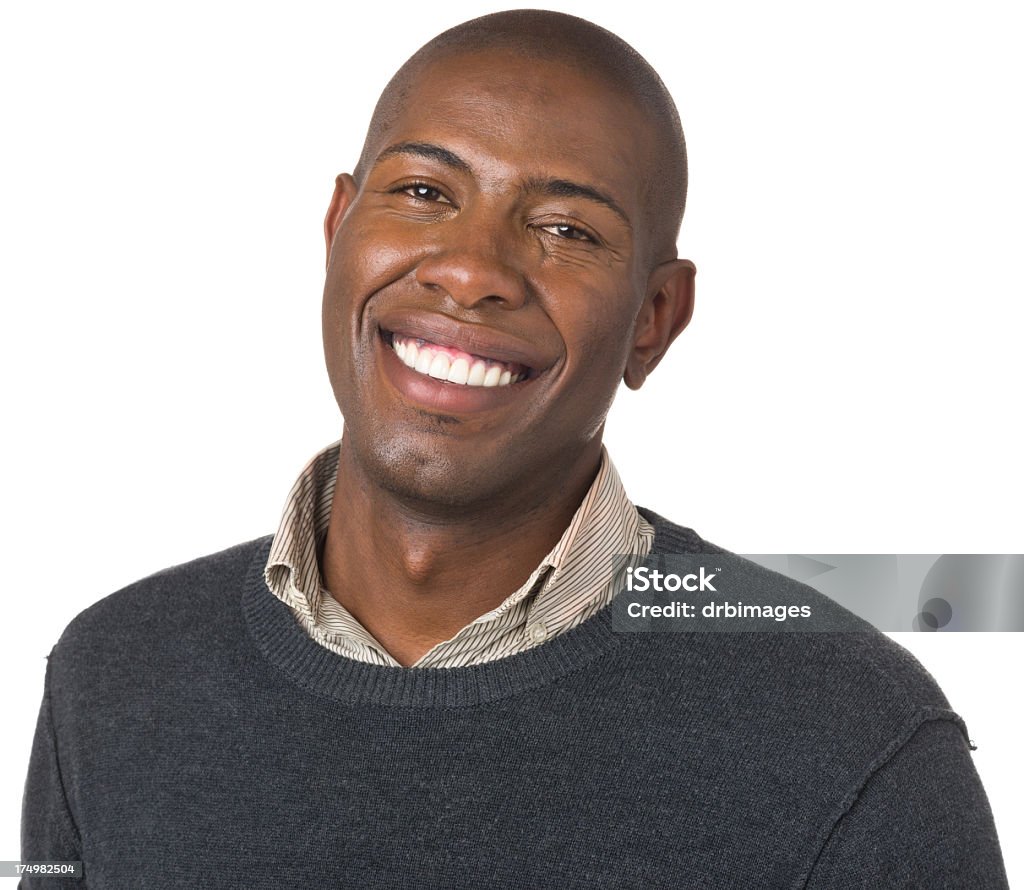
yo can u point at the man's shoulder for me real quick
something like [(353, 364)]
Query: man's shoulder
[(178, 599), (845, 667)]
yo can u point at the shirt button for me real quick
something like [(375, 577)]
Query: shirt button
[(538, 633)]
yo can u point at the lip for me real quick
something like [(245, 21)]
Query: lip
[(475, 339), (440, 396)]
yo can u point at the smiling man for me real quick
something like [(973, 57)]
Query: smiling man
[(483, 267), (416, 681)]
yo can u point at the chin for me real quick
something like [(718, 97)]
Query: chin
[(428, 479)]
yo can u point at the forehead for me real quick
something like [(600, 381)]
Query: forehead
[(519, 115)]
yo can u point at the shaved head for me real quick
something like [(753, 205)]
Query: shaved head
[(589, 50)]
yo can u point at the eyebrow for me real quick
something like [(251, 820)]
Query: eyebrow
[(554, 188), (425, 150), (565, 188)]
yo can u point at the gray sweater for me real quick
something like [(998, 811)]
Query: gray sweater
[(187, 721)]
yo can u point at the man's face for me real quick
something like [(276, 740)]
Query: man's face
[(485, 279)]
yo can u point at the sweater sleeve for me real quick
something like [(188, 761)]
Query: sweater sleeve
[(48, 831), (921, 820)]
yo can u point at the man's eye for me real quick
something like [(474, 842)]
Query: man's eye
[(423, 192), (564, 230)]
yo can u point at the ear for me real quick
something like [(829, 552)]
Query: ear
[(344, 194), (666, 311)]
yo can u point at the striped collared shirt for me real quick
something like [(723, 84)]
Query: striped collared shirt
[(573, 581)]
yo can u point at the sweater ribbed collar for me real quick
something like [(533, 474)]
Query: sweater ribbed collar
[(309, 665)]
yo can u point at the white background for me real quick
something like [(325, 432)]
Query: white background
[(850, 381)]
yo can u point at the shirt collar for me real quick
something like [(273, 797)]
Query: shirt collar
[(605, 524)]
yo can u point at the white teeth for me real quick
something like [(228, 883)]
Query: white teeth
[(441, 366), (423, 360), (459, 372)]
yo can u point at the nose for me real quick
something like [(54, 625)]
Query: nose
[(474, 261)]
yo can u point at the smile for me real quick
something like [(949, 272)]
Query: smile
[(451, 365)]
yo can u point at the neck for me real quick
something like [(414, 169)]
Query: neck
[(414, 576)]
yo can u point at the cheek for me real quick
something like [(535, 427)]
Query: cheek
[(596, 348), (362, 264), (365, 258), (597, 326)]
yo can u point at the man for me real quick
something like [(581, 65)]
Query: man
[(416, 681)]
